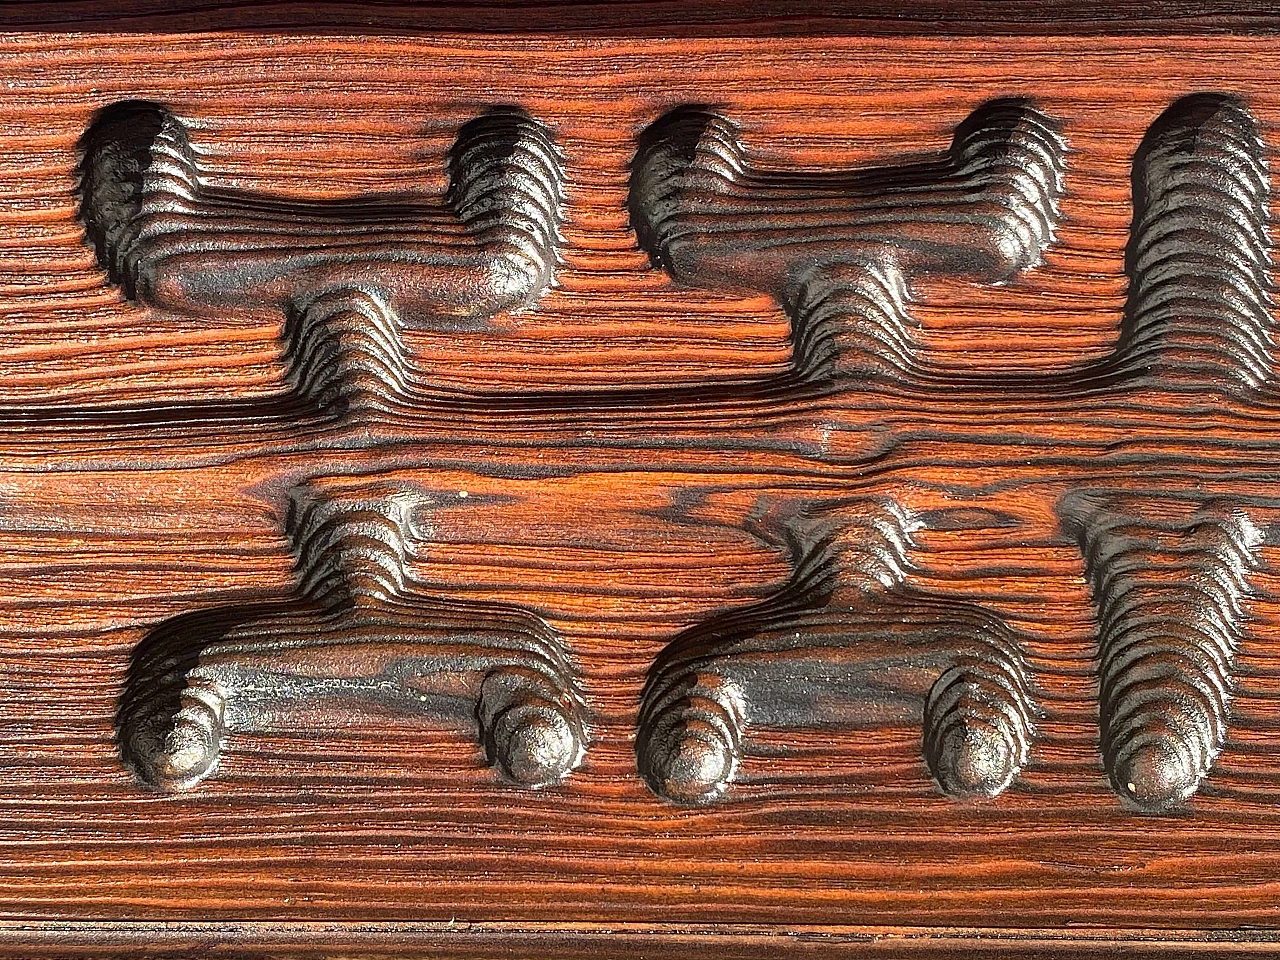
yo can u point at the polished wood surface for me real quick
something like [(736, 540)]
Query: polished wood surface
[(628, 465)]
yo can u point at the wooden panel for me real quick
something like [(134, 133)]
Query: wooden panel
[(1042, 443)]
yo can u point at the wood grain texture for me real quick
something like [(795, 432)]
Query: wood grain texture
[(656, 18), (614, 459)]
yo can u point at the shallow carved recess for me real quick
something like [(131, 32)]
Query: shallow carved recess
[(846, 645), (349, 275), (360, 633), (840, 251), (1170, 577)]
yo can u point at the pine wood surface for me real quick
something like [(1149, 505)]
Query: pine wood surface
[(621, 525)]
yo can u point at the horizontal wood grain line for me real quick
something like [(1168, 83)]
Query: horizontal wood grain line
[(660, 17), (535, 941)]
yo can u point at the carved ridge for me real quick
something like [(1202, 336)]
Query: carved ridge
[(169, 239), (1170, 581), (345, 348), (1004, 170)]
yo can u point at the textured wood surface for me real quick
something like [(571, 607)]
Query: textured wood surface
[(603, 459), (656, 18)]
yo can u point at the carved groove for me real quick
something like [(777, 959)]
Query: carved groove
[(1199, 306), (1170, 581), (360, 633), (838, 249), (845, 645), (365, 267)]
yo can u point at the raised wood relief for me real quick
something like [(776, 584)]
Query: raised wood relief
[(823, 653), (849, 642), (349, 275), (1171, 597), (651, 487), (839, 252)]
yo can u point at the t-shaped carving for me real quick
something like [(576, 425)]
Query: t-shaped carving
[(173, 241), (360, 631), (985, 211)]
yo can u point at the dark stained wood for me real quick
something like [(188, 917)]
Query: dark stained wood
[(964, 546), (658, 18)]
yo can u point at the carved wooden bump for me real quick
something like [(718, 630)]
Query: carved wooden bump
[(350, 273), (1199, 311), (846, 645), (360, 633), (1170, 579), (838, 250)]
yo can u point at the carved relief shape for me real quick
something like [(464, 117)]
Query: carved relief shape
[(847, 645), (1170, 579), (840, 251), (348, 275), (361, 632), (851, 642)]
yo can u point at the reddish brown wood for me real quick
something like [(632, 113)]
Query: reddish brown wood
[(633, 460)]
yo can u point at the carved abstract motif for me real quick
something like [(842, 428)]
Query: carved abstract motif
[(1170, 579), (349, 275), (854, 641), (846, 645), (1198, 318), (361, 632), (840, 251)]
